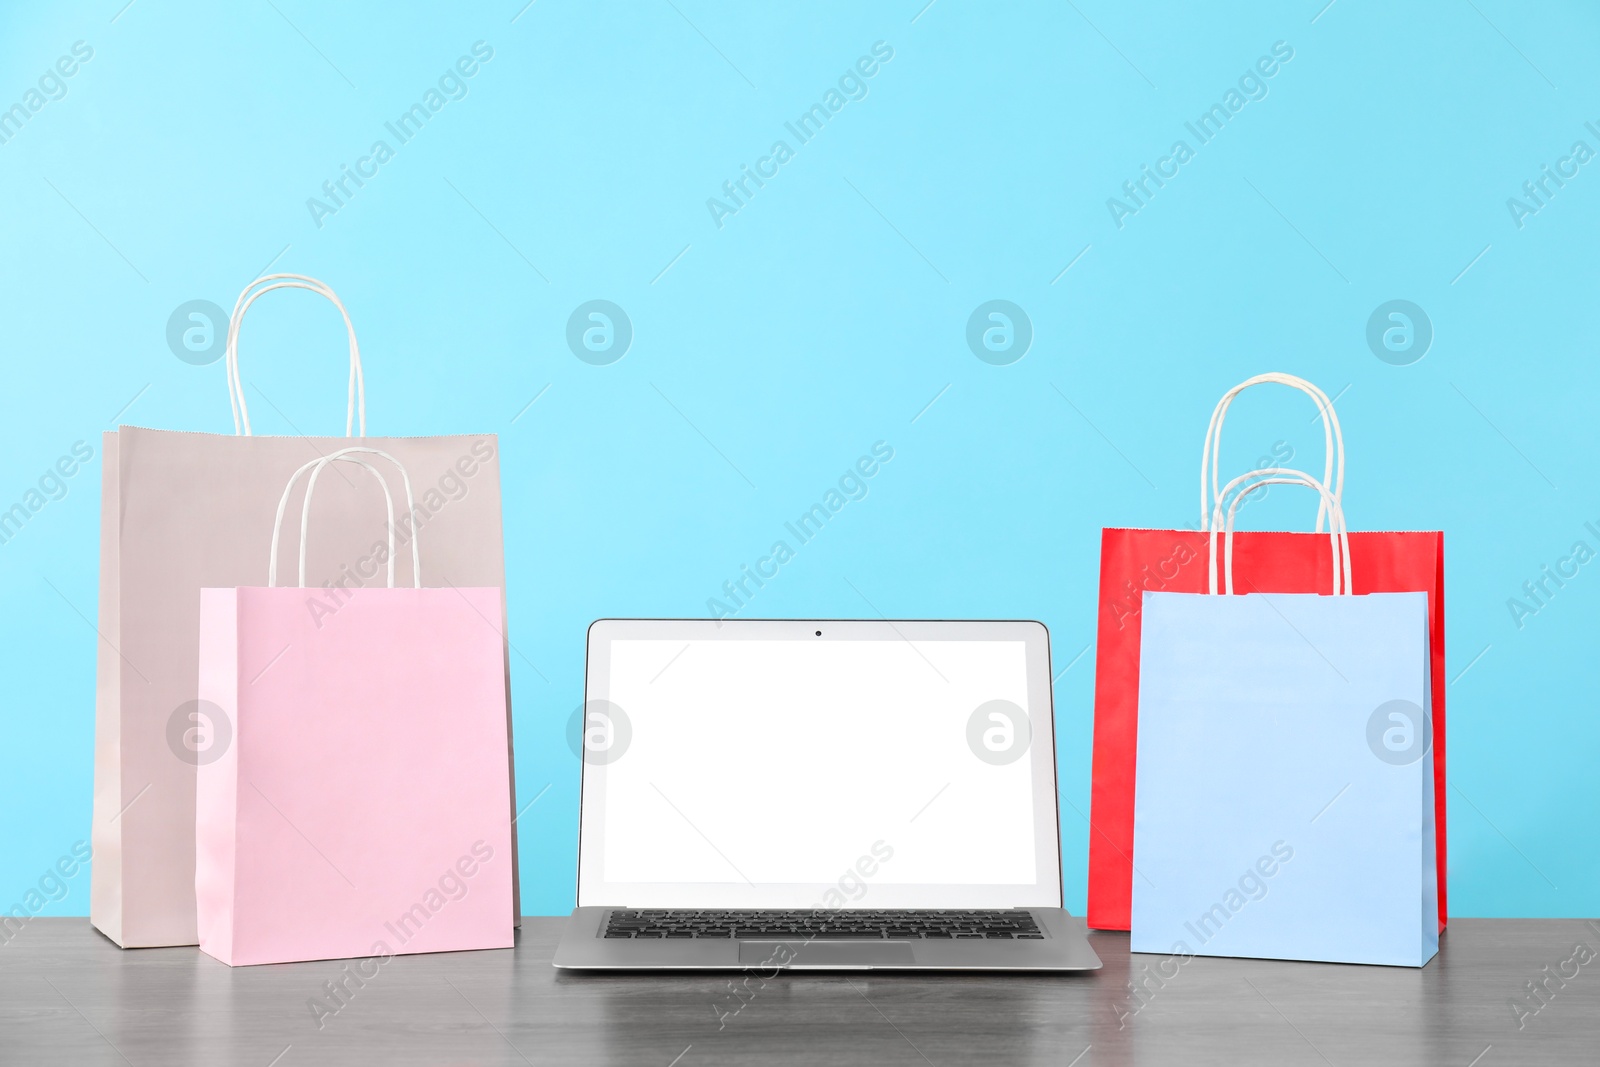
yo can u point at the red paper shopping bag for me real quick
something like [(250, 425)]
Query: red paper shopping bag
[(1178, 561)]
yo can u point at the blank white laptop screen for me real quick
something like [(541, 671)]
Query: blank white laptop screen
[(762, 765)]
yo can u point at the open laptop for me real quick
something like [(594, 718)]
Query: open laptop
[(818, 795)]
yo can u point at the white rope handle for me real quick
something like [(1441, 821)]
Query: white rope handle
[(357, 402), (1336, 529), (1297, 477), (1332, 436), (1338, 534), (315, 467)]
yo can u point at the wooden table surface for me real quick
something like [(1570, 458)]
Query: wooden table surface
[(67, 995)]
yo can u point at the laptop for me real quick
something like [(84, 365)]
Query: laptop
[(818, 795)]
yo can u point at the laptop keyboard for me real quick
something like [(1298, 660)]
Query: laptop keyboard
[(824, 925)]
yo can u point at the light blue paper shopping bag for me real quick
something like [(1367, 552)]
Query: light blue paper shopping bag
[(1284, 800)]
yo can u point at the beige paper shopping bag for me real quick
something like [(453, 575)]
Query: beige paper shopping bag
[(182, 511)]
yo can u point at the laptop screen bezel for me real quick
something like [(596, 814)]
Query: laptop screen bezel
[(1046, 891)]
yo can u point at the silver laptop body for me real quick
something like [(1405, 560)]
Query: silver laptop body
[(823, 794)]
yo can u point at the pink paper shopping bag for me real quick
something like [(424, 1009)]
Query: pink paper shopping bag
[(359, 804)]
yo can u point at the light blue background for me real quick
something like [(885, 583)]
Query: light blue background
[(825, 316)]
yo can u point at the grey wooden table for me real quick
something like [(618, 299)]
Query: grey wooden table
[(67, 995)]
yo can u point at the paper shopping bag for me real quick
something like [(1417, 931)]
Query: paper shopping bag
[(362, 809), (1133, 562), (184, 510), (1284, 804)]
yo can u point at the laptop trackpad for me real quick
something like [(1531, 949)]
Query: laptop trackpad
[(799, 954)]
